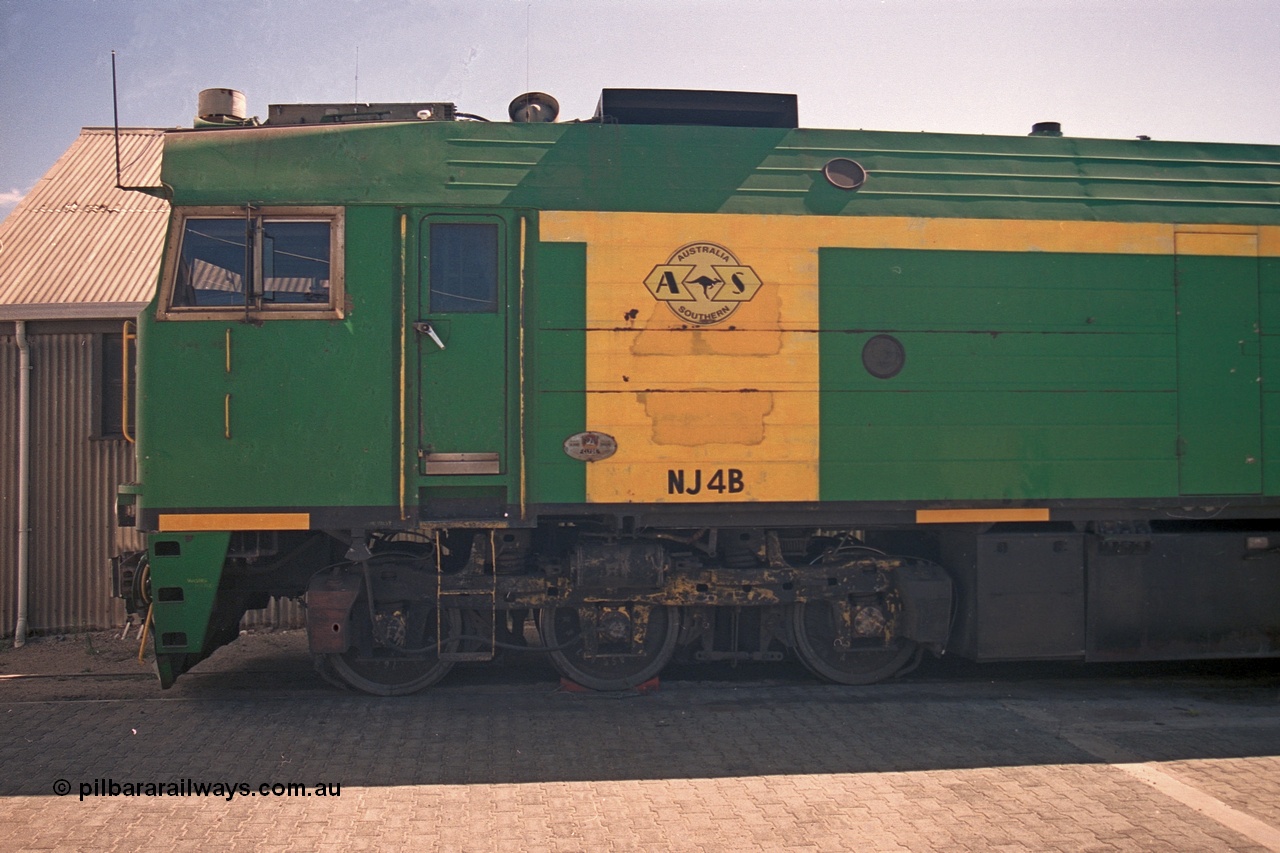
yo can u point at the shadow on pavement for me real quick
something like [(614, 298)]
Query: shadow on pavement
[(271, 719)]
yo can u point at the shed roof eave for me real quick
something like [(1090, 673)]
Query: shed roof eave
[(72, 311)]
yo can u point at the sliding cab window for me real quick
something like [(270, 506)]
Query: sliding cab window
[(267, 263)]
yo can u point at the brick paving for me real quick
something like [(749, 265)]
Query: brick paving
[(1064, 762)]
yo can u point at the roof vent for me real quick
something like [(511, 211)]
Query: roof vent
[(221, 106), (356, 113), (1046, 128), (697, 107), (534, 107)]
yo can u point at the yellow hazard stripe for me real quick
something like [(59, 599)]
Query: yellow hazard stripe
[(758, 231), (188, 522), (1219, 243), (971, 516)]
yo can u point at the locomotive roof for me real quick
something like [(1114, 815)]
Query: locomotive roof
[(604, 165)]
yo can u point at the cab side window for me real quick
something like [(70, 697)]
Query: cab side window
[(272, 263), (295, 263), (211, 271)]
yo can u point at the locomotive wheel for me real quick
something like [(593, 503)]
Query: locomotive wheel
[(866, 661), (392, 673), (560, 629)]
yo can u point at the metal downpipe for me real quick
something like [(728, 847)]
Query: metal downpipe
[(24, 480)]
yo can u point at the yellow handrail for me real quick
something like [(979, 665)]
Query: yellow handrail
[(404, 399)]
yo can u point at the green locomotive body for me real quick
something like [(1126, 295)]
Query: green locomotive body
[(687, 376)]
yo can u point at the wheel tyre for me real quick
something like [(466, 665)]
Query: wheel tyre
[(558, 627), (813, 625), (397, 676)]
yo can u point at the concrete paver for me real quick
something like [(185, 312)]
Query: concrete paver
[(1063, 762)]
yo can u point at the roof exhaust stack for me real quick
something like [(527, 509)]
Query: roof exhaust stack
[(1046, 128), (219, 107)]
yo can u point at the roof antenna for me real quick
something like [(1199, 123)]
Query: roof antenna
[(115, 120)]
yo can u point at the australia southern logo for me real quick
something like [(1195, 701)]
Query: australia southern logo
[(703, 283)]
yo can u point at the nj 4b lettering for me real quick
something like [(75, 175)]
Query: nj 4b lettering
[(722, 480)]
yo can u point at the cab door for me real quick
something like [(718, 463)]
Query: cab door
[(462, 342)]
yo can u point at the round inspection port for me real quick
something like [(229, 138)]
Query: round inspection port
[(884, 356), (845, 174)]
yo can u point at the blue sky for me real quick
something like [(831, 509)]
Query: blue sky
[(1111, 68)]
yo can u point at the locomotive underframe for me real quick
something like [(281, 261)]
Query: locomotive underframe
[(612, 611), (611, 605)]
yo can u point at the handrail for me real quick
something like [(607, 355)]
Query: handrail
[(403, 402), (524, 223), (125, 337)]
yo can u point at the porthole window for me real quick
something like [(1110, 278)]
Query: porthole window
[(844, 174)]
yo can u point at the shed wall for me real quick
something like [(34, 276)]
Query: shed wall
[(73, 481), (73, 484)]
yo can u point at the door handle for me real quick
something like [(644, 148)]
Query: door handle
[(425, 328)]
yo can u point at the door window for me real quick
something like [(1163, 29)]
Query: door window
[(464, 268)]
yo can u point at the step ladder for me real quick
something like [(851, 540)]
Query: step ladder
[(476, 588)]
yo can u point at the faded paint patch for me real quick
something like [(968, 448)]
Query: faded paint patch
[(714, 418)]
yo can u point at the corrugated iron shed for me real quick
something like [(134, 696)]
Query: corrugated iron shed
[(77, 246), (77, 256)]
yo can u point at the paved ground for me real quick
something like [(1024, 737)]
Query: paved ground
[(951, 758)]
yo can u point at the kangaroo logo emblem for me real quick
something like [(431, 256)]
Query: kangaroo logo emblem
[(703, 283)]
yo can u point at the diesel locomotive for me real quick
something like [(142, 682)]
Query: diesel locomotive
[(684, 378)]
